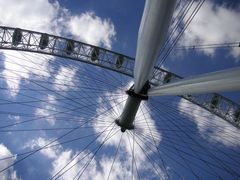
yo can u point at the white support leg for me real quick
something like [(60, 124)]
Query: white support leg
[(155, 22), (220, 81)]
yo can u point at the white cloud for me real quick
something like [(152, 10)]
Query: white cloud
[(223, 132), (60, 157), (18, 66), (214, 23), (65, 77), (47, 109), (15, 118), (50, 17), (10, 174), (96, 169), (38, 15), (76, 165), (43, 16), (120, 170), (92, 29), (51, 152)]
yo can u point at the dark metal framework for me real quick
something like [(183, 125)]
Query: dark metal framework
[(31, 41)]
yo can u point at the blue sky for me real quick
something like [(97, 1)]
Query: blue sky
[(50, 92)]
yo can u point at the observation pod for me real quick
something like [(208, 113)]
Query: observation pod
[(215, 101), (126, 119), (237, 115), (44, 40), (17, 36), (167, 78), (94, 54), (69, 47), (119, 61)]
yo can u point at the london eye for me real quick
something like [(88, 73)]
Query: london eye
[(74, 110)]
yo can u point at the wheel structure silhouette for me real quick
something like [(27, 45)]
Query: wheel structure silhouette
[(63, 96)]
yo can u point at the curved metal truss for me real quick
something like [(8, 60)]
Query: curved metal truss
[(31, 41)]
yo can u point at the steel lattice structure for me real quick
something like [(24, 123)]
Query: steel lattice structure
[(31, 41)]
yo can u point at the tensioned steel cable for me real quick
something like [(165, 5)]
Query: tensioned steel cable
[(188, 21)]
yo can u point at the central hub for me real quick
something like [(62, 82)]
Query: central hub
[(126, 119)]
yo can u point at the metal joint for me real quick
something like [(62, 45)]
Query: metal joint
[(143, 93)]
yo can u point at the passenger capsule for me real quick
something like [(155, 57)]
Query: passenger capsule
[(69, 47), (17, 36), (44, 40), (119, 61), (237, 115), (167, 78), (94, 54), (215, 101)]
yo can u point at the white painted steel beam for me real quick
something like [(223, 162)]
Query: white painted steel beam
[(155, 22), (219, 81)]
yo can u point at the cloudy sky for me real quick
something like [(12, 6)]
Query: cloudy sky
[(57, 116)]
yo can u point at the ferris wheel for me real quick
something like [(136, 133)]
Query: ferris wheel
[(118, 117)]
